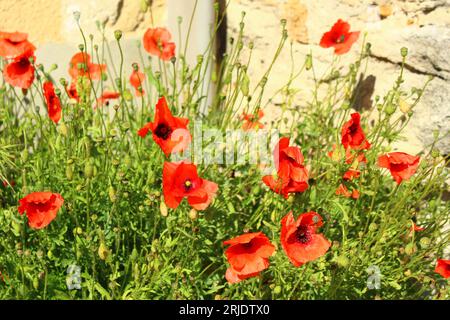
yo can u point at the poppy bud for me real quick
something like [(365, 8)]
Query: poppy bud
[(81, 47), (118, 34), (410, 249), (77, 231), (404, 52), (342, 261), (425, 242), (69, 172), (134, 254), (77, 15), (435, 153), (24, 155), (89, 169), (390, 109), (35, 283), (103, 251), (144, 6), (308, 62), (404, 106), (277, 290), (193, 215), (163, 209), (112, 194), (179, 19)]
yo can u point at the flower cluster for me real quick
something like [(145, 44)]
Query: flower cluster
[(248, 254)]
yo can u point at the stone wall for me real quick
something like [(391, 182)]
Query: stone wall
[(421, 25)]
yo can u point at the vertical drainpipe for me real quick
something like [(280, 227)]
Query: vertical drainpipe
[(201, 31)]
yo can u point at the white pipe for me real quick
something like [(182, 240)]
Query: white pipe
[(200, 34)]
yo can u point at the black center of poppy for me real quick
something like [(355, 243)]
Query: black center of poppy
[(163, 131), (340, 39), (303, 234), (187, 185), (24, 62), (247, 245)]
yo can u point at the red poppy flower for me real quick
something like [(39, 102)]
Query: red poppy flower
[(81, 65), (250, 121), (14, 44), (20, 72), (443, 268), (300, 240), (352, 134), (342, 190), (72, 91), (157, 42), (351, 174), (292, 176), (180, 180), (339, 37), (52, 101), (41, 208), (350, 155), (7, 183), (169, 132), (137, 81), (106, 96), (248, 255), (416, 228), (401, 165)]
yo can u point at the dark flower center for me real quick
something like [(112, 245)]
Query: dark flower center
[(247, 245), (24, 62), (340, 39), (303, 234), (163, 131), (188, 185), (353, 129)]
